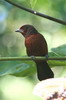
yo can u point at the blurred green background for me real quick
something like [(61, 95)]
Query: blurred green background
[(12, 43)]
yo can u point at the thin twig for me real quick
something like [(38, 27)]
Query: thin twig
[(30, 58), (37, 13)]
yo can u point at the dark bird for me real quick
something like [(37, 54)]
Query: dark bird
[(36, 46)]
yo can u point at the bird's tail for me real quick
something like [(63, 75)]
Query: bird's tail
[(43, 70)]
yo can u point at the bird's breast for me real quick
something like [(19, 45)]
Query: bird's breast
[(36, 45)]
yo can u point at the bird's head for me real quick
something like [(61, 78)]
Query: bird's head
[(27, 30)]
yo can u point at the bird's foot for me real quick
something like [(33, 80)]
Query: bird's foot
[(46, 56), (33, 57)]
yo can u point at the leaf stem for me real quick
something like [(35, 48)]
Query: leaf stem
[(30, 58), (37, 13)]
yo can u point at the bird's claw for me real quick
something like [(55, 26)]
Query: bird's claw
[(33, 57), (46, 56)]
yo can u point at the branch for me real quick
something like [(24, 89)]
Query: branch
[(37, 13), (30, 58)]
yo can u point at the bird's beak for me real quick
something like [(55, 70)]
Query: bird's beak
[(18, 30)]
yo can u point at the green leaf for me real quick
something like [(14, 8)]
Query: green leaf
[(17, 68), (33, 3), (25, 69), (60, 50), (57, 63)]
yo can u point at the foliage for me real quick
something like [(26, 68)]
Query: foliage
[(12, 44), (27, 68)]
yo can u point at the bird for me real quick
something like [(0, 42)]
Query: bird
[(36, 45)]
